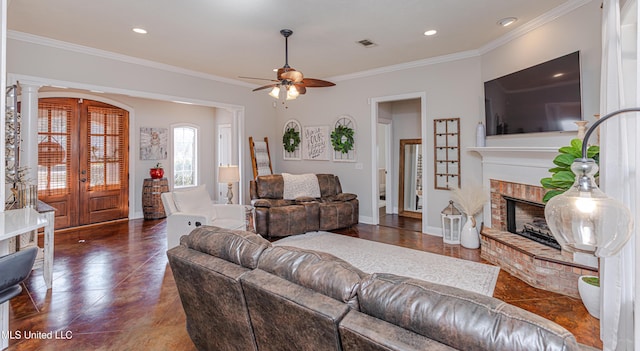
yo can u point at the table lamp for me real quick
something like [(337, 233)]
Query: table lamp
[(228, 174)]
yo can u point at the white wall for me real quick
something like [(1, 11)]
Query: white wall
[(453, 89), (3, 86), (82, 68), (579, 30), (157, 114), (161, 114)]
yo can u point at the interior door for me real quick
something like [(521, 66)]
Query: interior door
[(224, 154), (83, 155)]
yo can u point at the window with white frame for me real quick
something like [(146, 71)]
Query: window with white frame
[(185, 142)]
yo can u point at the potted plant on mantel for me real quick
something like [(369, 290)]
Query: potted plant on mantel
[(562, 179), (157, 172)]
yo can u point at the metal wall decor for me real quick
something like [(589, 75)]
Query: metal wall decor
[(446, 152)]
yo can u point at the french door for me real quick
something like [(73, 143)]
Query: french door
[(83, 157)]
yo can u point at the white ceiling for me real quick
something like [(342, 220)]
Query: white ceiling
[(232, 38)]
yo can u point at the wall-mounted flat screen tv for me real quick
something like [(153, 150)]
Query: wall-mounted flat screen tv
[(542, 98)]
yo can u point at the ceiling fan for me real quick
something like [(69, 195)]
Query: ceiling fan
[(288, 78)]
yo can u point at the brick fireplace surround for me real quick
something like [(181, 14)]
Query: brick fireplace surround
[(538, 265)]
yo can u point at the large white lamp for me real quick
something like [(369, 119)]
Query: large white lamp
[(584, 219), (229, 175)]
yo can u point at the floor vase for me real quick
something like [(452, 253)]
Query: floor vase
[(590, 295), (469, 237)]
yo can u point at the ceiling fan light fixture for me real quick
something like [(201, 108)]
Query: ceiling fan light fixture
[(292, 93), (292, 81), (275, 92)]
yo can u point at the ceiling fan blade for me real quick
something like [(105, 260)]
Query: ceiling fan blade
[(292, 75), (271, 80), (266, 87), (316, 83), (301, 89)]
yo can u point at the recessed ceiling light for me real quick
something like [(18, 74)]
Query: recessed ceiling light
[(430, 32), (140, 30), (507, 21), (558, 75)]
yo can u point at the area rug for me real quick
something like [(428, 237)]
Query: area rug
[(374, 257)]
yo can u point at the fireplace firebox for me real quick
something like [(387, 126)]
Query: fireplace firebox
[(526, 218)]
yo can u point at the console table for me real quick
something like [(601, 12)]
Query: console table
[(14, 223)]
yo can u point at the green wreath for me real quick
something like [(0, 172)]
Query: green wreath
[(342, 139), (290, 140)]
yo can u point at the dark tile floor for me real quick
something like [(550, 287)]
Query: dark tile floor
[(113, 290)]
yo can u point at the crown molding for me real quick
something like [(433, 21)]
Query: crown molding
[(407, 65), (512, 35), (35, 39), (534, 24)]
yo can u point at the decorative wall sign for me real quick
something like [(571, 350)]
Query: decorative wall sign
[(343, 139), (291, 140), (153, 143), (316, 143)]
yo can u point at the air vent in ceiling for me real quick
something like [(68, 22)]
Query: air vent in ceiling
[(367, 43)]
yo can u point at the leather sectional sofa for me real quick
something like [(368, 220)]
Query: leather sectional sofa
[(241, 293), (276, 216)]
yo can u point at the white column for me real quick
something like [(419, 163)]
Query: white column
[(4, 308), (29, 130)]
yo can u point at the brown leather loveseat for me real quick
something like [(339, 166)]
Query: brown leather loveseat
[(276, 215), (240, 292)]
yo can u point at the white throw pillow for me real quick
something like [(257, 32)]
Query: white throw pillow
[(300, 185), (194, 200)]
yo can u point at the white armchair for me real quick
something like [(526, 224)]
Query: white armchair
[(191, 208)]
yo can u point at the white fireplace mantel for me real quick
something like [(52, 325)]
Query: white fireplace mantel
[(517, 156), (525, 165)]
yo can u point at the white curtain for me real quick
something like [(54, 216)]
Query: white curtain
[(619, 158)]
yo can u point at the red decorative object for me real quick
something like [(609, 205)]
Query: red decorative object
[(156, 173)]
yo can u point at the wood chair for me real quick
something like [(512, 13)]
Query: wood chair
[(260, 157)]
